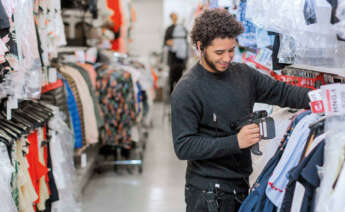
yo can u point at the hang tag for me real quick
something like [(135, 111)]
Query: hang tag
[(333, 96), (316, 103), (12, 102), (8, 112), (91, 55), (264, 57), (83, 160), (80, 56), (52, 75)]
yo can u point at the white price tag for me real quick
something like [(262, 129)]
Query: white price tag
[(9, 112), (52, 75), (83, 160), (80, 56), (12, 102), (91, 55), (316, 103), (264, 57), (333, 94)]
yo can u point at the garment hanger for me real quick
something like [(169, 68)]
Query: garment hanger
[(18, 120), (9, 128), (29, 119), (12, 134), (9, 140), (19, 126)]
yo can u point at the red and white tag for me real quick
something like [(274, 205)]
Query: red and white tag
[(334, 95), (316, 103)]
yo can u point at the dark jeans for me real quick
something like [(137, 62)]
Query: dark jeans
[(199, 200), (175, 74)]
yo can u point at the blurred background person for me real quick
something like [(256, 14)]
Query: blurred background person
[(175, 39)]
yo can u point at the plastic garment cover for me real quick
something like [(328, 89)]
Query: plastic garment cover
[(340, 27), (330, 173), (29, 57), (299, 21), (248, 37), (6, 169), (50, 27), (62, 150)]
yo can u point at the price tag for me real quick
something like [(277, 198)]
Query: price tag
[(83, 160), (12, 102), (52, 75), (80, 56), (91, 55), (8, 112), (334, 94), (264, 57)]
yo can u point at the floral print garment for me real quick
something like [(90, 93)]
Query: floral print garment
[(114, 89)]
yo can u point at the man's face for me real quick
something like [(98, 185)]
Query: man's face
[(218, 55), (173, 17)]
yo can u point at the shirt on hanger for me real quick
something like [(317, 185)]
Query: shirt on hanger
[(290, 158)]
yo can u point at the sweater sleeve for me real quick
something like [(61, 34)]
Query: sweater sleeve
[(186, 113), (271, 91)]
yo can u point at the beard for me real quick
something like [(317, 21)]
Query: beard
[(211, 64)]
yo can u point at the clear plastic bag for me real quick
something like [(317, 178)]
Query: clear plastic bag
[(287, 50), (27, 42), (248, 37), (62, 153), (6, 170)]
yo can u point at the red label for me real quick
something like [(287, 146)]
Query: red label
[(317, 107)]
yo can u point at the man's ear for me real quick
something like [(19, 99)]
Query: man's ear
[(199, 46)]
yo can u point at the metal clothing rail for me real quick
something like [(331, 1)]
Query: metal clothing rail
[(136, 157)]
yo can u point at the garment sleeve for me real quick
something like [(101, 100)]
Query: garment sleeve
[(188, 143), (271, 91)]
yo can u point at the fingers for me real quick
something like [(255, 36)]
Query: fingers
[(251, 129)]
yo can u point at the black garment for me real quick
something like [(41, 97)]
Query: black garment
[(334, 5), (54, 194), (199, 200), (175, 73), (4, 20), (203, 107), (176, 65), (276, 46)]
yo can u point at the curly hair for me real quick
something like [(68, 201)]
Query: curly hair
[(215, 23)]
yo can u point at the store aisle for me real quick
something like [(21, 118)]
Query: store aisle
[(159, 189)]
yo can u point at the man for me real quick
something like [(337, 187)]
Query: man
[(176, 40), (214, 94)]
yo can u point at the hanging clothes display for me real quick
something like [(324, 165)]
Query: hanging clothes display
[(28, 167)]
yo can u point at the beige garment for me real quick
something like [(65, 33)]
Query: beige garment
[(44, 192), (91, 71), (91, 129), (27, 193)]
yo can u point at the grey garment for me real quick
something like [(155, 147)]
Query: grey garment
[(4, 20), (180, 42), (205, 106), (85, 75)]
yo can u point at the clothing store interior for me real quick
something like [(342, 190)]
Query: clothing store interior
[(95, 114)]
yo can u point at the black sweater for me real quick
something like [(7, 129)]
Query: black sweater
[(205, 104)]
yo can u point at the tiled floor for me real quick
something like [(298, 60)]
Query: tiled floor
[(158, 189)]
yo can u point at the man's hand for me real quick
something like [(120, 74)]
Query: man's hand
[(170, 42), (248, 136)]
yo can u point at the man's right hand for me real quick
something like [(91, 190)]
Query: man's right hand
[(248, 136)]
